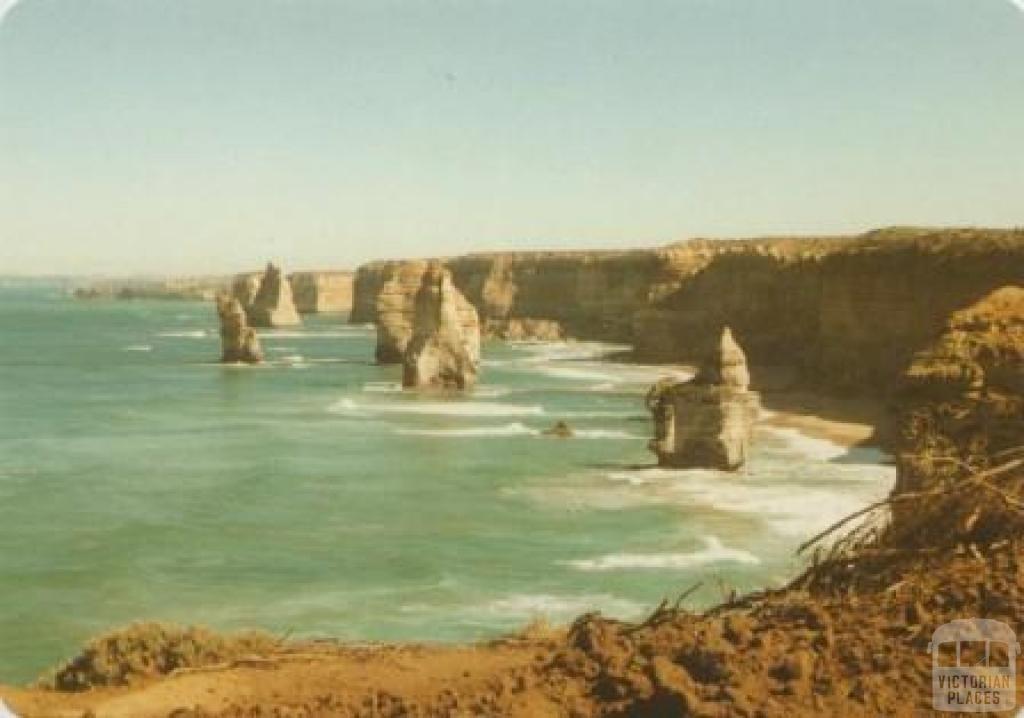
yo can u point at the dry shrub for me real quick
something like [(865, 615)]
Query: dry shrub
[(152, 649)]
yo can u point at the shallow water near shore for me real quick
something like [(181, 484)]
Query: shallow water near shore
[(139, 479)]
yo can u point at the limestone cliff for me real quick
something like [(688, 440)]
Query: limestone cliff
[(444, 351), (841, 313), (322, 292), (273, 305), (707, 422), (238, 340)]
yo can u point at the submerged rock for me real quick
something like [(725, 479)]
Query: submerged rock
[(238, 340), (273, 305), (706, 422), (444, 352), (561, 430)]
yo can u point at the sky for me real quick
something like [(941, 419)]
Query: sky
[(192, 136)]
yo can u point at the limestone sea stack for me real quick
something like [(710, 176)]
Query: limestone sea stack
[(444, 352), (238, 340), (395, 309), (244, 288), (707, 422), (273, 305)]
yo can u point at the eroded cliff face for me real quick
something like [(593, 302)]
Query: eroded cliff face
[(588, 294), (839, 313), (326, 292)]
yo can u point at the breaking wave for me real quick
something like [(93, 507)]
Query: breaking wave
[(194, 334), (714, 551), (438, 408), (514, 429)]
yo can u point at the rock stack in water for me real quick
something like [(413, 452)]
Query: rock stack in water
[(238, 340), (444, 351), (707, 422), (273, 305), (396, 309)]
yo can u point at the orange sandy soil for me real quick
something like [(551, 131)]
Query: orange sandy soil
[(841, 640)]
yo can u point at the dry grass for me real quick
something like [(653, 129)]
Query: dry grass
[(152, 649)]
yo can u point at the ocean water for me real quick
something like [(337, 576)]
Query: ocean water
[(139, 479)]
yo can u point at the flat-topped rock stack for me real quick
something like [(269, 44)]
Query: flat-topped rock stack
[(238, 340), (273, 305), (444, 351), (706, 422)]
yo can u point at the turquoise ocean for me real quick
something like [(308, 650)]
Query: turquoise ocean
[(140, 479)]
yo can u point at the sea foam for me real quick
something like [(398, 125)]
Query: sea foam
[(513, 429), (437, 408), (714, 551), (820, 449), (194, 334)]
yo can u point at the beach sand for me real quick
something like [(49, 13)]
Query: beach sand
[(849, 422)]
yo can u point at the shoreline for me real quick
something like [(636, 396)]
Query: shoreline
[(847, 422)]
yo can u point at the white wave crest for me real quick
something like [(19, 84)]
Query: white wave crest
[(572, 373), (713, 552), (194, 334), (513, 429), (138, 348), (529, 605), (437, 408), (604, 434), (811, 447), (382, 387), (791, 509)]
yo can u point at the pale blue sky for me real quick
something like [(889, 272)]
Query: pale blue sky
[(208, 135)]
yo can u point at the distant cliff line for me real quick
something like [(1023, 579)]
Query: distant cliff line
[(315, 291), (842, 313)]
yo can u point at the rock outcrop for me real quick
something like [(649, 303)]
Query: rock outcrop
[(395, 312), (238, 340), (273, 305), (707, 422), (840, 314), (560, 430), (965, 394), (327, 292), (444, 351), (524, 330)]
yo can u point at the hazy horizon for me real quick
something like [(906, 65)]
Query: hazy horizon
[(206, 136)]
